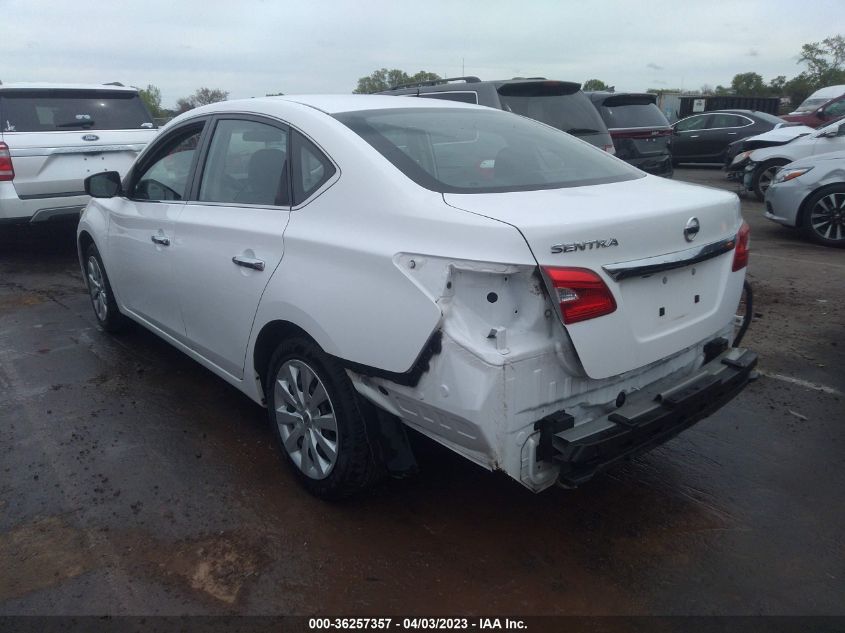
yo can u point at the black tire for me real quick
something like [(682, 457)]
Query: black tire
[(99, 290), (826, 210), (355, 467), (762, 177)]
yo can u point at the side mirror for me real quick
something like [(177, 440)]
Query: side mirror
[(104, 185), (821, 113)]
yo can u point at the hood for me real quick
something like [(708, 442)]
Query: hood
[(782, 134)]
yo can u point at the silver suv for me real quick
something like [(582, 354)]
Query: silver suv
[(52, 136)]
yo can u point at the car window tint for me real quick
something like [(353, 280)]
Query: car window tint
[(478, 150), (247, 164), (692, 123), (726, 120), (835, 109), (72, 110), (166, 178), (311, 168), (463, 97)]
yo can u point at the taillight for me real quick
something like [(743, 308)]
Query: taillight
[(582, 294), (741, 252), (7, 172)]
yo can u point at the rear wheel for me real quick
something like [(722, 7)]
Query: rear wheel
[(762, 177), (823, 220), (99, 289), (319, 420)]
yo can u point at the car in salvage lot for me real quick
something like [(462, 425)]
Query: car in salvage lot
[(759, 166), (341, 260), (52, 136), (810, 194)]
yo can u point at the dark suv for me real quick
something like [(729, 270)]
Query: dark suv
[(640, 132), (560, 104)]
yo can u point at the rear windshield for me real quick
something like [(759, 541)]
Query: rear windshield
[(633, 115), (573, 113), (54, 110), (768, 118), (478, 150)]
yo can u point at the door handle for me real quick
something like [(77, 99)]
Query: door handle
[(694, 135), (732, 133), (160, 239), (248, 262)]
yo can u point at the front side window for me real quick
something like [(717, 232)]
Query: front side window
[(692, 123), (718, 121), (835, 109), (453, 150), (166, 177), (247, 164)]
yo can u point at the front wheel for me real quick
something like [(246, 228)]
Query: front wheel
[(762, 177), (319, 421), (99, 289), (823, 220)]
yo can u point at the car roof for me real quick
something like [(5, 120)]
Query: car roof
[(58, 86), (330, 104)]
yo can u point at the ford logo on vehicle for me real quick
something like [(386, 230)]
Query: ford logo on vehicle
[(691, 229), (90, 137)]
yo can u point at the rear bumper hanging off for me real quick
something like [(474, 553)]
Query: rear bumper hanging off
[(637, 427)]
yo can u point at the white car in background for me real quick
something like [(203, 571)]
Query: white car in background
[(809, 194), (362, 263), (52, 136), (760, 165)]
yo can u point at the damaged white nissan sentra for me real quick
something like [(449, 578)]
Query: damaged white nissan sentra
[(361, 263)]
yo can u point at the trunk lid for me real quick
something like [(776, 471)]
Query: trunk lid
[(594, 227)]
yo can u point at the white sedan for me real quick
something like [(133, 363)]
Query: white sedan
[(362, 263)]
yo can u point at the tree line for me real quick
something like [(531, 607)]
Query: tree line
[(825, 66)]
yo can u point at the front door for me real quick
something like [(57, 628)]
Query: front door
[(142, 233)]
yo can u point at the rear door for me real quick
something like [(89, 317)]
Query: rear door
[(142, 229), (59, 137), (723, 128), (231, 234)]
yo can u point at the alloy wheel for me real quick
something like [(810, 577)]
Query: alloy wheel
[(97, 288), (306, 419), (827, 217)]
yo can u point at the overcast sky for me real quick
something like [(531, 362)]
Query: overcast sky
[(253, 47)]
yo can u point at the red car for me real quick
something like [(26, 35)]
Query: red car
[(820, 108)]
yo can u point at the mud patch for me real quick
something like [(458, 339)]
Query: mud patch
[(219, 566), (12, 302), (39, 555)]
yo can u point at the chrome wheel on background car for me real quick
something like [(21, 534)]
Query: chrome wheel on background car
[(306, 419), (824, 219), (763, 176)]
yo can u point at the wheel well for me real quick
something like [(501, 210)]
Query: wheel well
[(799, 219), (85, 240), (271, 335)]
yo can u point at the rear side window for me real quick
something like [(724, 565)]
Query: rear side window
[(463, 97), (631, 115), (62, 110), (727, 120), (247, 164), (311, 168), (480, 150)]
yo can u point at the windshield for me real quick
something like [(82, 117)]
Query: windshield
[(811, 104), (477, 150), (53, 110)]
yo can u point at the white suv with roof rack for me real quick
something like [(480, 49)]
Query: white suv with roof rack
[(53, 136)]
